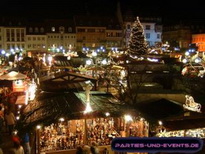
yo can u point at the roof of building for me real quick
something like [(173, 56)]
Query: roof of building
[(96, 21), (49, 107), (159, 109)]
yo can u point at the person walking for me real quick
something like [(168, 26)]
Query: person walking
[(10, 121), (17, 147), (26, 143)]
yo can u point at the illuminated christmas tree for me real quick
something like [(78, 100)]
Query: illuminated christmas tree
[(137, 44)]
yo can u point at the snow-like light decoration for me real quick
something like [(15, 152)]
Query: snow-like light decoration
[(152, 59), (197, 60), (88, 62), (198, 132), (50, 58), (191, 105), (31, 91)]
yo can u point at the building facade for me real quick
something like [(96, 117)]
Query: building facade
[(152, 30), (95, 32), (177, 36), (199, 40)]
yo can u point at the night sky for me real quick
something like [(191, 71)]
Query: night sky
[(169, 10)]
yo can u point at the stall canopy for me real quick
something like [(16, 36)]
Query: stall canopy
[(65, 81), (13, 76), (161, 109), (21, 100), (50, 106)]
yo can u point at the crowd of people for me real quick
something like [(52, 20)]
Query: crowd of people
[(8, 121)]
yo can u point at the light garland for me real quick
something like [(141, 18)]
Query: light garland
[(199, 132)]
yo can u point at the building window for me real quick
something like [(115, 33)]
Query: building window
[(61, 29), (158, 36), (147, 27), (36, 30), (91, 30), (42, 30), (70, 29), (147, 35), (30, 30), (53, 29), (81, 30)]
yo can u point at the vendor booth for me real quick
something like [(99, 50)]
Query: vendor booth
[(61, 123)]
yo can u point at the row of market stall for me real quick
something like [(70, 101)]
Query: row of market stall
[(59, 121)]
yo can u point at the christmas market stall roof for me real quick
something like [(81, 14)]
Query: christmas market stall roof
[(187, 122), (172, 114), (161, 109), (48, 107), (13, 76), (65, 81)]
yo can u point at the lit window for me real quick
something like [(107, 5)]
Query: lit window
[(30, 30), (36, 30), (42, 30), (69, 29), (53, 29)]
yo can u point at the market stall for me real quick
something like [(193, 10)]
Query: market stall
[(64, 125)]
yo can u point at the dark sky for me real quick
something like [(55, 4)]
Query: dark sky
[(168, 10)]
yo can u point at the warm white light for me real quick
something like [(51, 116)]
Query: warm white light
[(187, 53), (184, 60), (128, 118), (107, 114), (141, 119), (197, 60), (88, 108), (17, 117), (15, 132), (68, 58), (31, 91), (38, 127), (7, 54), (94, 54), (50, 58), (160, 123), (61, 119), (104, 61), (19, 106)]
